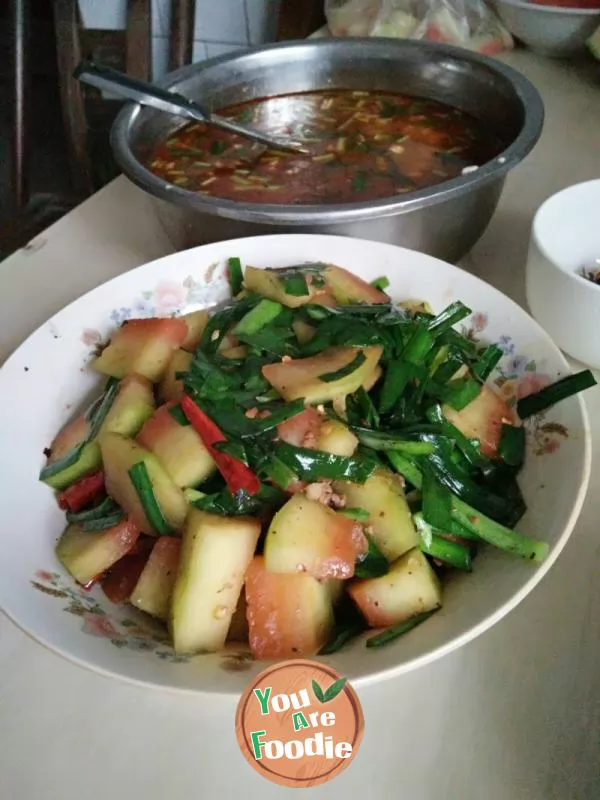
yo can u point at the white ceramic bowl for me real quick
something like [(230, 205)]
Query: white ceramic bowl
[(45, 381), (565, 236), (548, 30)]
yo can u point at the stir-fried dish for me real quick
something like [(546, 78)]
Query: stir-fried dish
[(362, 146), (310, 461)]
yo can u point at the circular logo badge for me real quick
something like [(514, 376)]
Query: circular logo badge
[(299, 723)]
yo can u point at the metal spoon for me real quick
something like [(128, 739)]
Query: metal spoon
[(147, 94)]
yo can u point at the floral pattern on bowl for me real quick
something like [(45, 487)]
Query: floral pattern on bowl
[(167, 299), (516, 377), (140, 635)]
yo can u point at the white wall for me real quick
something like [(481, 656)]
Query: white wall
[(220, 26)]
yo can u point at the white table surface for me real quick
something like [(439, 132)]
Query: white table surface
[(515, 715)]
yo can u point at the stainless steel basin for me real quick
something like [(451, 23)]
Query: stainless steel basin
[(445, 220)]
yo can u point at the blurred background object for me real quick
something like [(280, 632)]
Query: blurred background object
[(555, 28), (54, 134), (463, 23), (30, 165), (54, 149)]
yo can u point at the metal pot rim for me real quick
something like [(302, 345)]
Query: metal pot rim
[(302, 215)]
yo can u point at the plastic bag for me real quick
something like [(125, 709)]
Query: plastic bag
[(465, 23), (594, 44)]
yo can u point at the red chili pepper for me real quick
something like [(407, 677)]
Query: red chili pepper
[(83, 493), (237, 475)]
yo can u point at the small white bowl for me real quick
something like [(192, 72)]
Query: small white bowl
[(565, 237), (548, 30)]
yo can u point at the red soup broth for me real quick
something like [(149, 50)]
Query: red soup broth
[(362, 146)]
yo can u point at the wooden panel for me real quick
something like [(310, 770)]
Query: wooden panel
[(87, 116), (68, 46), (181, 41), (299, 18), (138, 41), (108, 47), (19, 101)]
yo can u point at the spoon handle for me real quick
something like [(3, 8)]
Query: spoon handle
[(110, 80), (147, 94)]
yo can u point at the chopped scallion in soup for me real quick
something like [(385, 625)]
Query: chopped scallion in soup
[(362, 146)]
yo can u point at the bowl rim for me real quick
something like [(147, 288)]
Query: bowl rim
[(326, 214), (538, 220), (432, 655), (560, 10)]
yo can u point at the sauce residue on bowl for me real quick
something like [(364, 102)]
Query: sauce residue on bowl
[(363, 146), (592, 272)]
